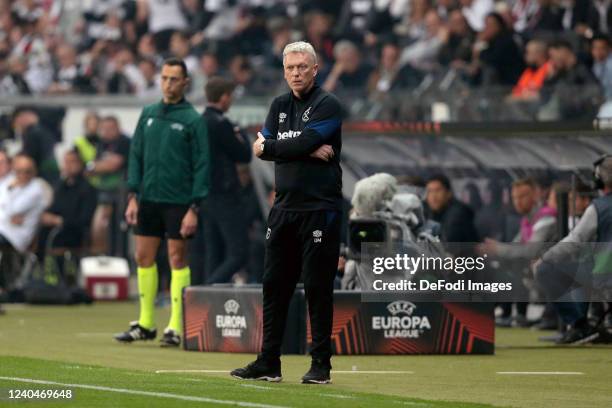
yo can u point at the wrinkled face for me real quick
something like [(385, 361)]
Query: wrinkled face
[(523, 198), (599, 50), (24, 170), (73, 166), (173, 83), (300, 71), (437, 196)]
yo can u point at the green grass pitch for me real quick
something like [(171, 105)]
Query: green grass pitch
[(72, 348)]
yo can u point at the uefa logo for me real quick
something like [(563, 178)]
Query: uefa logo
[(231, 306), (401, 306)]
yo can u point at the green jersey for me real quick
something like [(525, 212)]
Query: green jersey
[(169, 155)]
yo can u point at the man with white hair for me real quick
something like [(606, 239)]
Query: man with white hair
[(303, 136)]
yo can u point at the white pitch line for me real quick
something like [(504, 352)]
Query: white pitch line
[(337, 396), (540, 373), (333, 372), (257, 387), (144, 393)]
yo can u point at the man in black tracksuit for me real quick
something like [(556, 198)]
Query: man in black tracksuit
[(302, 135), (225, 221)]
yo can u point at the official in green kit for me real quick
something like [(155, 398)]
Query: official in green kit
[(168, 177)]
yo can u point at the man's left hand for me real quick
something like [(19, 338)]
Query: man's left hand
[(257, 145), (189, 224)]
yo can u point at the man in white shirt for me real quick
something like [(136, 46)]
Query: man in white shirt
[(475, 12), (22, 201)]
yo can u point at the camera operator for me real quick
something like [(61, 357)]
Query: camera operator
[(551, 271)]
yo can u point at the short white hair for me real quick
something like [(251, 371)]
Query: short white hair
[(302, 47)]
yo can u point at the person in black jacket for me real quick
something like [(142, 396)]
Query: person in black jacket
[(73, 206), (456, 219), (38, 142), (225, 223), (303, 136)]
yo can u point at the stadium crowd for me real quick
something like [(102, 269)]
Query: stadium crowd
[(530, 54)]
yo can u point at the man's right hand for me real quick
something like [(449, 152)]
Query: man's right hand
[(131, 213), (325, 153)]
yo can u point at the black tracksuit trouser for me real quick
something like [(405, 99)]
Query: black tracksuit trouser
[(306, 243)]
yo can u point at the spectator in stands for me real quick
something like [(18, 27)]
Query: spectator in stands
[(456, 219), (318, 27), (522, 11), (146, 48), (38, 142), (242, 75), (180, 48), (446, 7), (456, 50), (548, 18), (538, 228), (353, 19), (72, 208), (412, 27), (27, 42), (109, 167), (350, 72), (538, 68), (150, 88), (576, 17), (499, 59), (125, 77), (208, 66), (422, 53), (225, 222), (163, 18), (602, 63), (5, 166), (69, 77), (22, 201), (280, 35), (250, 34), (86, 144), (571, 91), (475, 12), (94, 21), (14, 82), (600, 17), (389, 75)]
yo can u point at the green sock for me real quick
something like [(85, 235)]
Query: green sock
[(180, 279), (147, 289)]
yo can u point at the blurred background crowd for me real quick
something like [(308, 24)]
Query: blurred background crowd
[(510, 59)]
